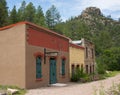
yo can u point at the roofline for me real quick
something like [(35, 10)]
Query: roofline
[(29, 23), (11, 25), (88, 41), (76, 46)]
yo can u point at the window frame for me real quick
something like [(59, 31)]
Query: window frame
[(77, 66), (63, 66), (86, 49), (40, 70), (73, 69)]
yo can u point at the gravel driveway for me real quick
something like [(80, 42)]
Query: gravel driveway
[(76, 89)]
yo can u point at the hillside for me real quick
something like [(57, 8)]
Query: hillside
[(92, 25)]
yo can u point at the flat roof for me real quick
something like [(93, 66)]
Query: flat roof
[(77, 42), (76, 46), (32, 24)]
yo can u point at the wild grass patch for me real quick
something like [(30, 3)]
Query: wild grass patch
[(19, 92)]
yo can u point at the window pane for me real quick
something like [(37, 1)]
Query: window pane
[(63, 66), (38, 67)]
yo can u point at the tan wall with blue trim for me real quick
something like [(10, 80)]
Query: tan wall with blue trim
[(31, 81)]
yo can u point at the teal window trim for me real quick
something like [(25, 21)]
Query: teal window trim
[(38, 67), (63, 67)]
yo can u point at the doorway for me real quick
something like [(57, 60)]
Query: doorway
[(53, 78)]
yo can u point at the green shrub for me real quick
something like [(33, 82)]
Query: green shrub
[(79, 74), (76, 76), (86, 78), (101, 68)]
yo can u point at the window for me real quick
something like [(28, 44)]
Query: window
[(73, 69), (90, 69), (92, 53), (38, 67), (86, 68), (63, 66), (77, 67), (81, 66)]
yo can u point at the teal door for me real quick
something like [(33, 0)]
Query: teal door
[(52, 71)]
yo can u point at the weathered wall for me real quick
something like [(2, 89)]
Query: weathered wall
[(12, 56), (41, 37), (40, 40), (89, 55), (76, 56)]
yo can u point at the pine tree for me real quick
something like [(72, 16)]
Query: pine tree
[(3, 13), (30, 12), (39, 17), (13, 16), (21, 12), (48, 19), (52, 17)]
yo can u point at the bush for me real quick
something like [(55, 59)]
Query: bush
[(76, 76), (111, 58), (101, 68), (80, 75), (85, 78)]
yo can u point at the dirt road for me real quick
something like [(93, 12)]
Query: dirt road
[(77, 89)]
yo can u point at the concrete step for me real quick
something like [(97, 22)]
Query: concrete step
[(58, 85)]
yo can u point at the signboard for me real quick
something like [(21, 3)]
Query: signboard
[(51, 53)]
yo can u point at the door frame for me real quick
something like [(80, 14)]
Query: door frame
[(50, 68)]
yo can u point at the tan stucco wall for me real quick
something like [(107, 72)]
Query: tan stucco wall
[(31, 67), (12, 56), (76, 57)]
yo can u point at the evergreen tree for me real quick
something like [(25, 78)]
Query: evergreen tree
[(111, 57), (52, 17), (39, 17), (21, 12), (48, 19), (13, 16), (30, 12), (3, 13)]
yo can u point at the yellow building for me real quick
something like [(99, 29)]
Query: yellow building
[(89, 55), (76, 57)]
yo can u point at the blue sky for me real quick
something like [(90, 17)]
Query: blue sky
[(68, 8)]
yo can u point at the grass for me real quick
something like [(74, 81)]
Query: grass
[(109, 74), (114, 90), (20, 91), (112, 73)]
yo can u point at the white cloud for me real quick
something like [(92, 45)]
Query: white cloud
[(112, 6), (55, 2), (102, 4), (68, 8)]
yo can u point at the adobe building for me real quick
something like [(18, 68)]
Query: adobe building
[(89, 54), (76, 57), (32, 56)]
